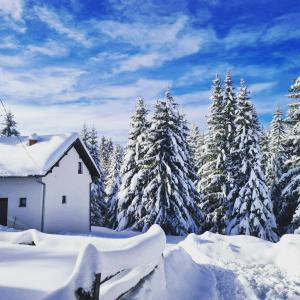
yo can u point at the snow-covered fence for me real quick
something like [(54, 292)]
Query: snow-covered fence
[(122, 263)]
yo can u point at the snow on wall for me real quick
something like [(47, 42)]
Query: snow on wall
[(64, 180), (30, 188)]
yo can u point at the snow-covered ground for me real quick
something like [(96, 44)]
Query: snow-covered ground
[(213, 266), (207, 266), (60, 264)]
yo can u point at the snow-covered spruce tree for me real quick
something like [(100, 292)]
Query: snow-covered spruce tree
[(230, 106), (9, 125), (106, 149), (289, 207), (276, 157), (293, 116), (294, 91), (113, 183), (264, 146), (98, 206), (252, 212), (196, 143), (170, 198), (132, 172), (212, 174)]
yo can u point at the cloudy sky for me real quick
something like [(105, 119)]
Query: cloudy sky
[(66, 62)]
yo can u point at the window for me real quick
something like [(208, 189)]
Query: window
[(80, 167), (64, 200), (22, 202)]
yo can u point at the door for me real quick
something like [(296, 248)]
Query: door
[(3, 211)]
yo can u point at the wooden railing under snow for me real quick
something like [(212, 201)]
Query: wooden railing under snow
[(101, 271)]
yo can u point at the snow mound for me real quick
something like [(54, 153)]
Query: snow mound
[(214, 266), (73, 262)]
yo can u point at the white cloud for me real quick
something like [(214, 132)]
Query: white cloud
[(9, 42), (12, 8), (44, 84), (144, 35), (138, 61), (157, 44), (54, 21), (50, 48), (262, 86), (276, 31), (111, 115), (12, 60)]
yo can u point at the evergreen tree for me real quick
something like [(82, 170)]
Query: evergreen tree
[(230, 107), (264, 146), (170, 198), (85, 135), (276, 158), (294, 108), (113, 185), (98, 207), (132, 170), (252, 211), (106, 148), (9, 125), (288, 208), (294, 91), (212, 185), (196, 143)]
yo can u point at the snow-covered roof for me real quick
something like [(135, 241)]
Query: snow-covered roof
[(18, 158)]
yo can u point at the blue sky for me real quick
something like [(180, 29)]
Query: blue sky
[(66, 62)]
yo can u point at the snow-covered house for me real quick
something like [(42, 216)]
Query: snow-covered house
[(45, 182)]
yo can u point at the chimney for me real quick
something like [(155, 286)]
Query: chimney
[(33, 139)]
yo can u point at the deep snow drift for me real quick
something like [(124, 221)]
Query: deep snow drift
[(213, 266), (60, 264), (208, 266)]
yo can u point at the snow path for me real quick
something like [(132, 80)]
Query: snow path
[(212, 266)]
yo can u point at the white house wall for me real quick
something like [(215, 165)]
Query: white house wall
[(16, 188), (64, 180)]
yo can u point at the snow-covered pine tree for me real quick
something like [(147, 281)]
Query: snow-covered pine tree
[(276, 157), (264, 146), (132, 170), (213, 173), (294, 91), (113, 183), (196, 142), (85, 135), (9, 125), (230, 106), (106, 149), (98, 206), (289, 206), (252, 211), (293, 116), (170, 198)]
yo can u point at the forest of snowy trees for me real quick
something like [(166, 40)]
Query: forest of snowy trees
[(235, 178)]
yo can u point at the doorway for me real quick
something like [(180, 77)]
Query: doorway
[(3, 211)]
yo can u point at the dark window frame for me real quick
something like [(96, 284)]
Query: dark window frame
[(64, 199), (80, 169), (22, 202)]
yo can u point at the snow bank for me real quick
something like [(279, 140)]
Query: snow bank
[(177, 277), (84, 257), (117, 254), (213, 266), (88, 264)]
